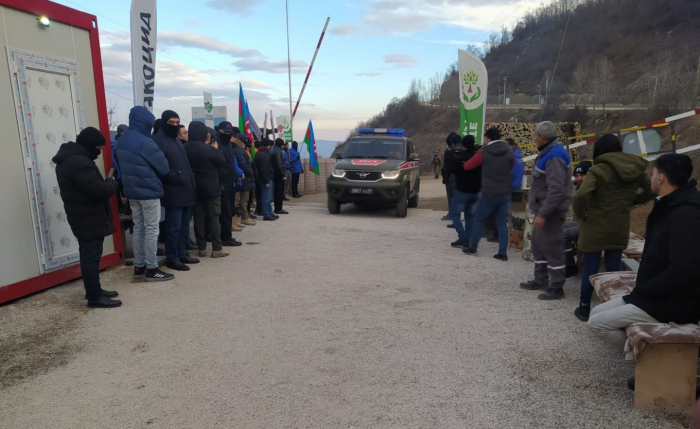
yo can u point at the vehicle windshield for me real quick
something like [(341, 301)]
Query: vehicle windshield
[(376, 148)]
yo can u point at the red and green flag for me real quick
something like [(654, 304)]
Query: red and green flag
[(244, 120), (310, 142)]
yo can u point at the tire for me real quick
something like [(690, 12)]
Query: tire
[(413, 201), (402, 204), (333, 206)]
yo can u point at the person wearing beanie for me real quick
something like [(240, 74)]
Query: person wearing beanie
[(85, 194), (447, 178), (297, 168), (277, 160), (265, 179), (142, 166), (465, 197), (179, 194), (571, 229), (247, 181), (228, 180), (206, 162)]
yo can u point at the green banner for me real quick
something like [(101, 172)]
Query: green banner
[(473, 85)]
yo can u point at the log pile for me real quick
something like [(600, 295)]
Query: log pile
[(524, 133)]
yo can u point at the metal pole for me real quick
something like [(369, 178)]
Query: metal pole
[(272, 126), (323, 33), (289, 66), (505, 80)]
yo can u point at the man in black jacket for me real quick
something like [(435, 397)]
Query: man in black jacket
[(265, 178), (277, 159), (668, 281), (447, 179), (228, 178), (179, 193), (466, 192), (85, 194), (206, 162)]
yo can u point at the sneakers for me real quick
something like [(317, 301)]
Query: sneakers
[(531, 285), (551, 294), (248, 222), (220, 253), (139, 272), (188, 260), (104, 302), (469, 250), (501, 257), (202, 253), (460, 243), (156, 275), (231, 243), (583, 313), (177, 266)]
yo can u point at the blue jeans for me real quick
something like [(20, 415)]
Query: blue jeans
[(177, 232), (90, 255), (265, 202), (591, 265), (146, 216), (488, 205), (462, 202)]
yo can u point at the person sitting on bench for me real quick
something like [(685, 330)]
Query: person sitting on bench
[(668, 281)]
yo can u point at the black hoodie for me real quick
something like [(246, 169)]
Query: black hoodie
[(207, 163), (85, 193), (668, 281)]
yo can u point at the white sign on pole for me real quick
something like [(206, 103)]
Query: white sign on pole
[(284, 126), (208, 107), (143, 51)]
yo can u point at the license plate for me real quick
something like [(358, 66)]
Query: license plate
[(361, 191)]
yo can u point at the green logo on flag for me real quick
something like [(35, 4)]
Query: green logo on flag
[(470, 79), (208, 106)]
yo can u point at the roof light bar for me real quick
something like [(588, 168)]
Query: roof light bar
[(396, 131)]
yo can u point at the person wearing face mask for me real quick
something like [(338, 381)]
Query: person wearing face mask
[(179, 196), (228, 178), (85, 194)]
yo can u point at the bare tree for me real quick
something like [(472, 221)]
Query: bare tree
[(111, 113), (580, 81), (604, 85)]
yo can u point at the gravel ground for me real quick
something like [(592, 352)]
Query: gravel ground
[(352, 321)]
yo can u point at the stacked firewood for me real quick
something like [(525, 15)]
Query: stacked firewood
[(524, 135)]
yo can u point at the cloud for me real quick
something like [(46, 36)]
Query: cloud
[(198, 41), (192, 22), (259, 64), (240, 7), (400, 61), (411, 16), (369, 74), (343, 30)]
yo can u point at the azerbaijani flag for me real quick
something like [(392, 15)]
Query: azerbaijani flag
[(244, 120), (310, 142)]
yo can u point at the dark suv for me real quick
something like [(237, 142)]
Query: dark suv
[(379, 166)]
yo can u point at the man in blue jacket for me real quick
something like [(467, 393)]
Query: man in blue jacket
[(518, 171), (297, 168), (179, 194), (141, 163), (287, 171)]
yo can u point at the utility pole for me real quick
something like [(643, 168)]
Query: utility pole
[(499, 94), (505, 79), (546, 82), (539, 94)]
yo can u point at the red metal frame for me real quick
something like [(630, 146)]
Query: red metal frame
[(59, 13)]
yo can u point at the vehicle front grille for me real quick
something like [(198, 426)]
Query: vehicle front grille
[(368, 176)]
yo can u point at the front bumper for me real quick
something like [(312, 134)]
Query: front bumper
[(384, 190)]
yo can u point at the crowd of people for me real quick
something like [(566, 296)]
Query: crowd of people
[(480, 181), (171, 176)]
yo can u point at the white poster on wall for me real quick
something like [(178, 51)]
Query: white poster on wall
[(143, 51)]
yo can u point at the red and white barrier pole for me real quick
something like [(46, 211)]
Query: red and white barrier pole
[(323, 33)]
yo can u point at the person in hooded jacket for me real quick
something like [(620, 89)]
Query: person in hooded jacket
[(496, 161), (287, 171), (142, 165), (603, 204), (207, 162), (248, 181), (85, 194), (179, 194), (297, 168), (447, 178), (668, 281), (228, 179), (277, 160), (518, 171), (265, 179), (466, 193)]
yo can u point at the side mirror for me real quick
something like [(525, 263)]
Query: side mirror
[(413, 157)]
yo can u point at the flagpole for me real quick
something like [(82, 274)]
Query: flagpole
[(289, 68), (272, 126), (308, 73)]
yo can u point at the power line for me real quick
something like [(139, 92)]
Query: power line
[(546, 95)]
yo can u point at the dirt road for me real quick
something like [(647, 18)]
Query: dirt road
[(360, 320)]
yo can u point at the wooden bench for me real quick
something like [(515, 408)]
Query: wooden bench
[(666, 354)]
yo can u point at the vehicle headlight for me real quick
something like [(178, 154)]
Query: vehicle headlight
[(391, 174), (338, 173)]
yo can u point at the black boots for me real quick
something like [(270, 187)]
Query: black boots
[(583, 313), (551, 294)]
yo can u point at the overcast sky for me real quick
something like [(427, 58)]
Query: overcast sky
[(370, 54)]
